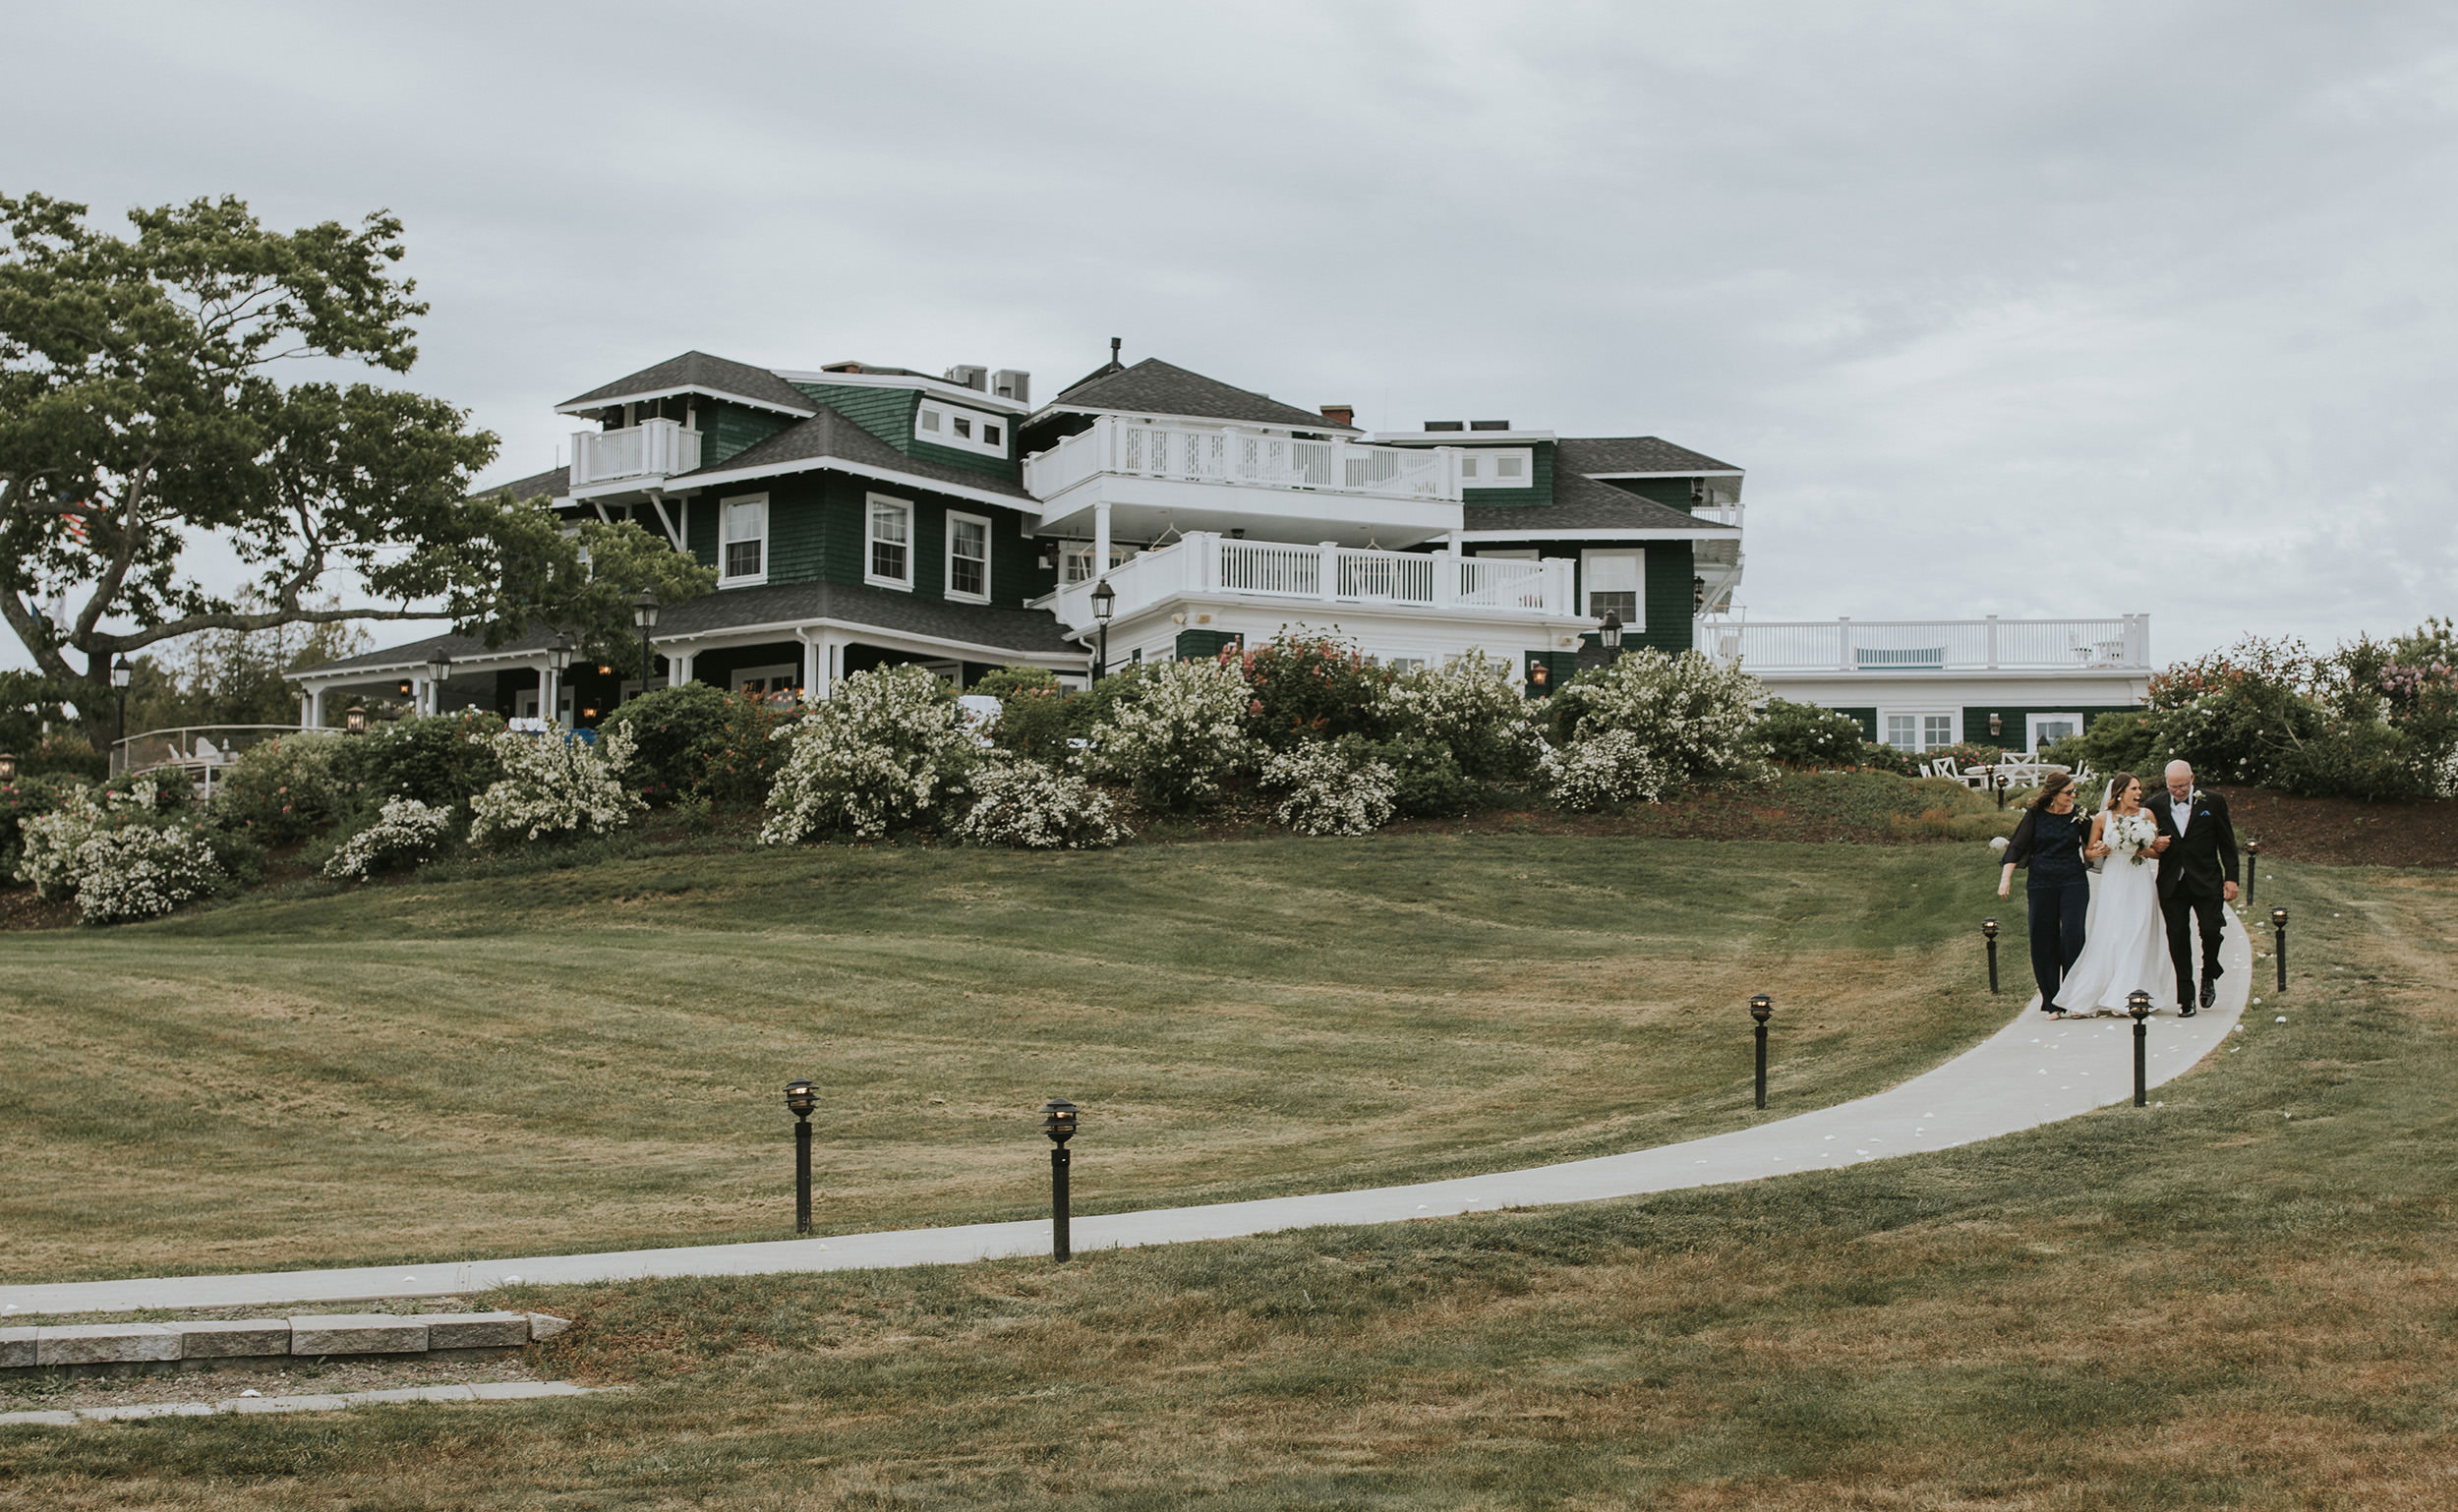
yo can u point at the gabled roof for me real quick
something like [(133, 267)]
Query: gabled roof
[(1155, 387), (546, 485), (830, 436), (1599, 456), (1583, 503), (698, 373)]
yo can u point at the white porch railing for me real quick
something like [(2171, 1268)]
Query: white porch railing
[(1207, 562), (653, 448), (1932, 645), (1213, 454)]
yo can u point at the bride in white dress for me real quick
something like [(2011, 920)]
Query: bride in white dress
[(2125, 940)]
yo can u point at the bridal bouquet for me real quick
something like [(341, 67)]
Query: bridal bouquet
[(2133, 834)]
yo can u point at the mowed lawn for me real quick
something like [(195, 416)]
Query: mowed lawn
[(592, 1057), (2241, 1300)]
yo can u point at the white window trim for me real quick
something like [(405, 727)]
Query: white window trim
[(870, 502), (945, 435), (1486, 476), (947, 579), (2031, 726), (1638, 615), (1953, 727), (725, 512)]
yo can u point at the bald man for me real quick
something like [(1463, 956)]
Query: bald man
[(2197, 878)]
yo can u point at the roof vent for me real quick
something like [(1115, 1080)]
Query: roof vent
[(1009, 383), (1340, 414), (966, 375), (1444, 425), (1489, 425)]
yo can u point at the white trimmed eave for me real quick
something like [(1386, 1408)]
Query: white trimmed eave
[(590, 406), (1694, 472), (381, 671), (1317, 610), (939, 389), (868, 634), (1460, 438), (1632, 533), (1263, 427), (692, 483)]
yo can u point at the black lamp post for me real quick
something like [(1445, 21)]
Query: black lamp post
[(354, 719), (1997, 780), (551, 687), (1988, 932), (1058, 1120), (2278, 947), (122, 675), (1104, 599), (644, 615), (1610, 634), (439, 668), (2252, 860), (800, 1099), (2138, 1003), (1762, 1008)]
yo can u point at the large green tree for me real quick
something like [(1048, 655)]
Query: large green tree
[(144, 410)]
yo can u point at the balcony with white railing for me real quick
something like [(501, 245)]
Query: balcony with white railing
[(1849, 646), (1211, 566), (651, 449)]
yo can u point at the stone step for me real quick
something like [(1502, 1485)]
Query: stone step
[(120, 1347)]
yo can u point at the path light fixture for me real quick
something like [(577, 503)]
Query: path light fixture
[(2278, 944), (1058, 1120), (2138, 1003), (439, 667), (2253, 862), (1104, 601), (123, 672), (1997, 780), (644, 615), (1762, 1008), (1988, 932), (800, 1099), (354, 719)]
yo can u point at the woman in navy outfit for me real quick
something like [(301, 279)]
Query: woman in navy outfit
[(2052, 840)]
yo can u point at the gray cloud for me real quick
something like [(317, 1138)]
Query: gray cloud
[(2018, 308)]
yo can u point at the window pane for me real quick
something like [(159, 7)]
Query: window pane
[(969, 556), (1899, 731), (990, 437), (1625, 604), (1937, 730), (887, 522), (887, 559), (1468, 467), (743, 558), (1507, 467), (963, 428), (1613, 571), (930, 420), (889, 527)]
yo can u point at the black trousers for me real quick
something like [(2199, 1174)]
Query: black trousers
[(2183, 912), (2058, 910)]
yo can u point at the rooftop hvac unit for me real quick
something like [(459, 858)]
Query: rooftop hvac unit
[(1009, 383), (966, 375)]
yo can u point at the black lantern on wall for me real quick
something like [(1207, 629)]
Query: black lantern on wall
[(1104, 603)]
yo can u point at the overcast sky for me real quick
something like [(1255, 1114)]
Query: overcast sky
[(2030, 309)]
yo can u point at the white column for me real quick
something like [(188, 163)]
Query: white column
[(418, 695), (1328, 587), (679, 668), (814, 665), (315, 707), (1100, 542), (1992, 643), (1843, 644)]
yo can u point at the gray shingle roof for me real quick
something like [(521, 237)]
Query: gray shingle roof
[(1631, 454), (971, 624), (698, 370), (546, 485), (1583, 503), (1155, 387), (830, 435)]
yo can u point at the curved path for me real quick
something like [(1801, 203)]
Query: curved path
[(2033, 1071)]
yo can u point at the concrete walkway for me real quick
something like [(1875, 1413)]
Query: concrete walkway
[(2036, 1070)]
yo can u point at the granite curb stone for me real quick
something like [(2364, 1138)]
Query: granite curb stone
[(105, 1344), (358, 1333), (17, 1348), (233, 1338), (491, 1391), (476, 1330)]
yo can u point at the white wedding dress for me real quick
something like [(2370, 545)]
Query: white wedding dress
[(2125, 939)]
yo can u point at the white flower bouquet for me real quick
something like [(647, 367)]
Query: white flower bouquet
[(2131, 835)]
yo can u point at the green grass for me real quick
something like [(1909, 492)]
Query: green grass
[(2241, 1300), (517, 1062)]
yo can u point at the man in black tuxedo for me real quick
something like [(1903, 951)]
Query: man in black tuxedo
[(2197, 876)]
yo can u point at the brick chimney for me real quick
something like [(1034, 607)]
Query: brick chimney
[(1340, 414)]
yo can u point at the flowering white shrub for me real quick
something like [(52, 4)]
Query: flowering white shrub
[(891, 747), (1691, 718), (1180, 737), (118, 862), (406, 833), (554, 785), (1031, 804), (1603, 771), (1330, 791), (1475, 707)]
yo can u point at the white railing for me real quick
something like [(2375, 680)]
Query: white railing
[(653, 448), (1931, 645), (1215, 454), (1207, 562)]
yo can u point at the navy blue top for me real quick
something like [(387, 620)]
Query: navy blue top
[(2056, 841)]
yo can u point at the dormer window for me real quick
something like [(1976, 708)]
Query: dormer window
[(945, 424), (1510, 469)]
